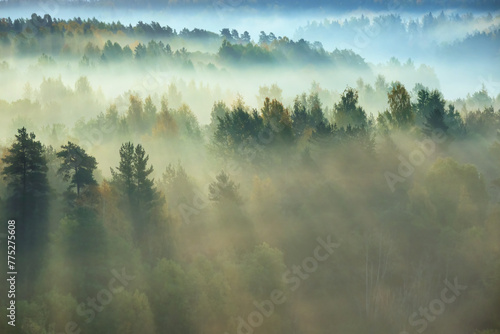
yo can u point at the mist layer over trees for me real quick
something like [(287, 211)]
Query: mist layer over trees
[(188, 181)]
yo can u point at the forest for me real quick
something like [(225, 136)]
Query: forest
[(191, 181)]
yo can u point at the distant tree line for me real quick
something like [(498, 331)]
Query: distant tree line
[(50, 37)]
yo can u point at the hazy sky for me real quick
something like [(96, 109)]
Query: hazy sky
[(284, 4)]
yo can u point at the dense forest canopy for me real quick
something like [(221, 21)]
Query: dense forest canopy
[(168, 180)]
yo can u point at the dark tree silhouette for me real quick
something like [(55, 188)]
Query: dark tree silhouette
[(435, 121), (300, 117), (26, 174), (77, 166), (347, 111), (132, 178)]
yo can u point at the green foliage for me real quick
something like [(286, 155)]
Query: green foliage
[(428, 102), (135, 114), (125, 177), (45, 60), (224, 190), (483, 123), (219, 110), (187, 123), (271, 50), (104, 127), (165, 125), (82, 240), (249, 53), (132, 176), (178, 187), (273, 93), (82, 86), (149, 113), (311, 175), (435, 121), (277, 119), (263, 270), (400, 109), (315, 110), (26, 167), (347, 112), (25, 171), (46, 313), (112, 51), (77, 167), (145, 188), (170, 297), (479, 100), (130, 313), (300, 116), (236, 128), (458, 193), (141, 199)]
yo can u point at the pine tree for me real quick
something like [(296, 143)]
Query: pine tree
[(146, 191), (135, 114), (26, 167), (316, 115), (26, 174), (125, 175), (300, 117), (224, 189), (133, 179), (77, 166), (149, 113)]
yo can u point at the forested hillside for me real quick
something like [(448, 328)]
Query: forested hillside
[(209, 219), (244, 186)]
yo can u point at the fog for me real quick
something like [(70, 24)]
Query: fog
[(332, 170), (442, 39)]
